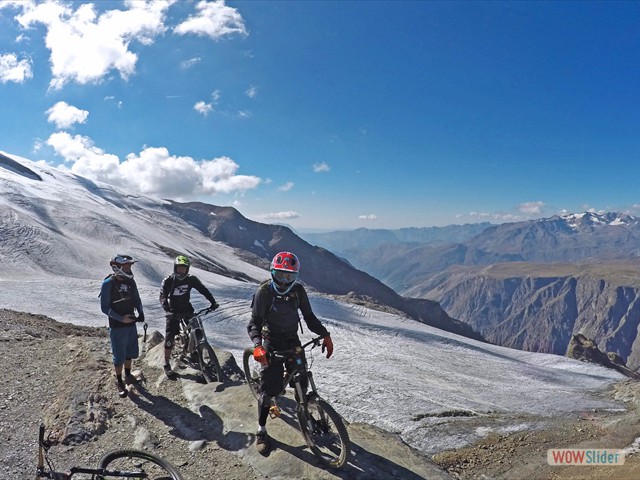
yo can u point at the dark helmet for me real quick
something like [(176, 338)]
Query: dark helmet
[(285, 267), (181, 260), (118, 261)]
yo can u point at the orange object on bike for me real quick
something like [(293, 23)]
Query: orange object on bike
[(260, 355), (274, 411)]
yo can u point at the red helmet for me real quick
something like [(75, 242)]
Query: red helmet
[(286, 261), (284, 271)]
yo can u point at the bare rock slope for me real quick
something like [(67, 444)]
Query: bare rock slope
[(61, 374)]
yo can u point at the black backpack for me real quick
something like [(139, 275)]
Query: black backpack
[(264, 289)]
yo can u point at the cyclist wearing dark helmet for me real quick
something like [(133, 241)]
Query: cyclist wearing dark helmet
[(175, 298), (119, 298), (274, 326)]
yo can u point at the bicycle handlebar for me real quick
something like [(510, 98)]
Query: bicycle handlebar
[(203, 311), (283, 353)]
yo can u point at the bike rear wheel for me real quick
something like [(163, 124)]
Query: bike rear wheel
[(252, 372), (209, 364), (325, 432), (136, 464)]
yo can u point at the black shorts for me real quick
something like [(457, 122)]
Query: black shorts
[(273, 376), (172, 325)]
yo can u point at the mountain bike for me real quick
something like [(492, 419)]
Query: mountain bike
[(321, 426), (193, 346), (116, 464)]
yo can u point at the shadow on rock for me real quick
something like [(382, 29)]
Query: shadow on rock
[(364, 463), (186, 424)]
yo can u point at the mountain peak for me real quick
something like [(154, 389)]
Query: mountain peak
[(576, 221)]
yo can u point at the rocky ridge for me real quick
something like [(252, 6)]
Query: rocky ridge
[(60, 374), (540, 308)]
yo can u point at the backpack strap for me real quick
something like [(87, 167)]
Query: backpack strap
[(108, 276), (265, 289)]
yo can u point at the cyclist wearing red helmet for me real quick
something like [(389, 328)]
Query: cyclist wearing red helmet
[(274, 326)]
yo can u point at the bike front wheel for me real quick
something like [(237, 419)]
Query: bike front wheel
[(209, 364), (252, 372), (136, 464), (325, 432)]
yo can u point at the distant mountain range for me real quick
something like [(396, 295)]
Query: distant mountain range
[(529, 285), (345, 241)]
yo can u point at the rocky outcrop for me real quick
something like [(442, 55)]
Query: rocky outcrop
[(512, 306), (584, 349)]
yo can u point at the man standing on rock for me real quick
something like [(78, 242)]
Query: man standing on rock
[(175, 298), (119, 299), (274, 326)]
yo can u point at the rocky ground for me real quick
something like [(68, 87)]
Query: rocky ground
[(61, 374)]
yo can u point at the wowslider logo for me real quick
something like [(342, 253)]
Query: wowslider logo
[(584, 456)]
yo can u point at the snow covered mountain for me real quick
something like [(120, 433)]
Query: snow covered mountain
[(58, 230)]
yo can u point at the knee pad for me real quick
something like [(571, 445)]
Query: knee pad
[(168, 343)]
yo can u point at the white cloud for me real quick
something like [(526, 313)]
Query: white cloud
[(531, 208), (203, 108), (321, 167), (14, 70), (286, 187), (370, 216), (595, 210), (86, 46), (279, 215), (154, 171), (252, 92), (187, 64), (111, 98), (498, 217), (214, 20), (65, 115)]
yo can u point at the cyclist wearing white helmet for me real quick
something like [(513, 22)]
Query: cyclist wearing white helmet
[(175, 298), (119, 299), (274, 326)]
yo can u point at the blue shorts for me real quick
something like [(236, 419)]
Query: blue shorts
[(124, 343)]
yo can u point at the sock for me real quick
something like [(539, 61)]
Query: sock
[(127, 371), (262, 429)]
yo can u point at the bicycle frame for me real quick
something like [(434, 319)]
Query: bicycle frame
[(300, 369), (103, 471), (193, 329), (321, 426), (41, 472)]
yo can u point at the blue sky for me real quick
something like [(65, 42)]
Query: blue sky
[(334, 115)]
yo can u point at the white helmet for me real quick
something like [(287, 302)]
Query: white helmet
[(119, 261)]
